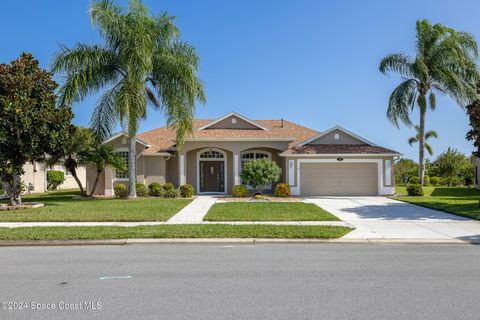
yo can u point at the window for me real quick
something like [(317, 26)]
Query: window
[(120, 174), (254, 155), (211, 154)]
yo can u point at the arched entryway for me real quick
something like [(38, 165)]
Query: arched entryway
[(211, 171)]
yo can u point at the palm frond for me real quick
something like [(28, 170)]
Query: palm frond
[(412, 140), (397, 62), (399, 103), (106, 114), (431, 134), (428, 148)]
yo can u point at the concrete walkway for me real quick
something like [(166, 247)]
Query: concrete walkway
[(194, 211), (385, 218)]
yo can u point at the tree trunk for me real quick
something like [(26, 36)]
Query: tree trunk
[(421, 146), (132, 171), (79, 183), (94, 187), (12, 191)]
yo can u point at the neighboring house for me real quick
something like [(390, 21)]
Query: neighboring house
[(35, 177), (333, 162)]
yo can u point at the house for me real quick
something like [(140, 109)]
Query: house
[(35, 177), (332, 162)]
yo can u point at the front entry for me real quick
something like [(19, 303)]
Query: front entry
[(212, 176)]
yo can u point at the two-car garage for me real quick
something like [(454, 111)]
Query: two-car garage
[(339, 178)]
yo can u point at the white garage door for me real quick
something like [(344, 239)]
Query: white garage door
[(338, 179)]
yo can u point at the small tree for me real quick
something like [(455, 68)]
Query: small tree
[(473, 112), (31, 124), (102, 156), (261, 172)]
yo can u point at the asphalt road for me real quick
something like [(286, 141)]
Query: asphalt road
[(298, 281)]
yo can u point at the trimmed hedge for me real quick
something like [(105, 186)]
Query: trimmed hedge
[(282, 190), (155, 189), (172, 193), (414, 180), (239, 190), (142, 190), (54, 179), (187, 190), (168, 186), (415, 190), (120, 191)]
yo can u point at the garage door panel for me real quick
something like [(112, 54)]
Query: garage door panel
[(342, 179)]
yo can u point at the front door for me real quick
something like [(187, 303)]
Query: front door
[(212, 176)]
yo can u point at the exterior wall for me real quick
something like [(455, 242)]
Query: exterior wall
[(387, 188), (227, 124), (91, 175), (343, 139), (154, 169), (35, 176), (171, 166)]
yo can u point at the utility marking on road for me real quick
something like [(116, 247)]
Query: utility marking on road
[(115, 277)]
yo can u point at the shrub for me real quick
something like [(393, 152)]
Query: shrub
[(426, 180), (168, 186), (261, 172), (142, 190), (155, 189), (239, 190), (120, 191), (172, 193), (187, 190), (451, 181), (282, 190), (434, 181), (414, 180), (54, 179), (415, 190)]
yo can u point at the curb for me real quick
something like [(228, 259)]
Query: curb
[(122, 242)]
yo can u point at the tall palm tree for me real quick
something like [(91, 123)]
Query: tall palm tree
[(143, 61), (444, 62), (429, 134)]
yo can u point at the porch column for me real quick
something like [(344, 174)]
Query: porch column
[(236, 169), (182, 169), (109, 175)]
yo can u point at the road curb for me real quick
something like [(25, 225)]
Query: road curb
[(121, 242)]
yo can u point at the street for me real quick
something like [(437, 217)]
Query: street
[(268, 281)]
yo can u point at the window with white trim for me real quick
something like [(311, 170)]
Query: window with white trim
[(250, 156), (211, 154), (121, 174)]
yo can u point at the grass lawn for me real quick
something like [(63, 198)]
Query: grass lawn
[(172, 231), (268, 211), (62, 206), (459, 201)]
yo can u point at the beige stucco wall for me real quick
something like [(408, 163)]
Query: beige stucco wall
[(154, 169), (343, 138), (227, 124)]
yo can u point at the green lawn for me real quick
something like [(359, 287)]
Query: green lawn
[(268, 211), (459, 201), (62, 206), (173, 231)]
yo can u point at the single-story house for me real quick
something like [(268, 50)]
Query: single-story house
[(35, 177), (333, 162)]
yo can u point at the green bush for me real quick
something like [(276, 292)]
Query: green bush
[(426, 180), (282, 190), (260, 173), (414, 180), (142, 190), (415, 190), (434, 181), (155, 189), (54, 179), (239, 190), (120, 191), (168, 186), (172, 193), (451, 181), (187, 190)]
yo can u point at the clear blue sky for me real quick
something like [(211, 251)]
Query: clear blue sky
[(308, 61)]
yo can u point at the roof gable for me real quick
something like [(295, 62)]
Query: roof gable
[(336, 135), (233, 121)]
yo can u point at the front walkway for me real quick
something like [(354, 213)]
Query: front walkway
[(385, 218), (194, 211)]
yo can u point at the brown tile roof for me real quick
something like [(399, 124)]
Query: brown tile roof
[(338, 149), (162, 139)]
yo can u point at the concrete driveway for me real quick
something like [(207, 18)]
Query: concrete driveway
[(384, 218)]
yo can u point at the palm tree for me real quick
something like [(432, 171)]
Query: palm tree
[(444, 62), (102, 156), (429, 134), (143, 61)]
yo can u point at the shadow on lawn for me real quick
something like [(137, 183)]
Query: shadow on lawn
[(456, 192)]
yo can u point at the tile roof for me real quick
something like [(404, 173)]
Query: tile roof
[(338, 149), (162, 139)]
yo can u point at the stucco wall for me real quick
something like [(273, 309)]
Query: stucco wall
[(154, 169), (35, 174), (343, 138), (227, 124)]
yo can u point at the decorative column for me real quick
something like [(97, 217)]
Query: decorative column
[(181, 169), (236, 169)]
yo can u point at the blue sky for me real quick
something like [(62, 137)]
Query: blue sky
[(309, 61)]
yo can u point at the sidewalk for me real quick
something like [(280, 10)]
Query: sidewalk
[(194, 211)]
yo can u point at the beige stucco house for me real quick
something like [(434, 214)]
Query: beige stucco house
[(35, 177), (332, 162)]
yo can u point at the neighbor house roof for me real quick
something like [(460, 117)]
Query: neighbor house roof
[(337, 149), (163, 139)]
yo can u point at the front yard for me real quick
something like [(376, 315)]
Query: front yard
[(64, 206), (460, 201), (268, 211)]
